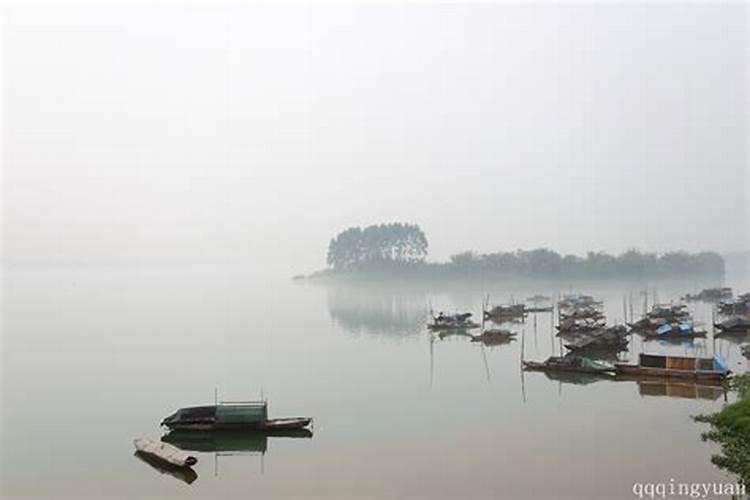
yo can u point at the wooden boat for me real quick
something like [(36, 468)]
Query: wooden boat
[(658, 366), (569, 363), (735, 325), (251, 415), (509, 311), (536, 299), (452, 322), (601, 342), (577, 301), (739, 305), (164, 452), (585, 313), (572, 326), (184, 474)]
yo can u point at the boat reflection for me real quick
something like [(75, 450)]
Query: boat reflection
[(228, 441), (184, 474), (575, 378), (646, 387), (683, 390)]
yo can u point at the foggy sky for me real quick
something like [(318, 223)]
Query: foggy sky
[(254, 134)]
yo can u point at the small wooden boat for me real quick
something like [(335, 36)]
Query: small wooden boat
[(251, 415), (576, 326), (536, 299), (184, 474), (508, 311), (735, 325), (739, 305), (577, 301), (444, 321), (585, 313), (164, 452), (657, 366)]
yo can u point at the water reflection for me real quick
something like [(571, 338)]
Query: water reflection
[(574, 377), (685, 390), (228, 441), (387, 311)]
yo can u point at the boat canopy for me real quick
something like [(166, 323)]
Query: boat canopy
[(686, 327), (593, 364), (664, 329), (719, 364), (242, 413)]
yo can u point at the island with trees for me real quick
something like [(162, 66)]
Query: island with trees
[(399, 250)]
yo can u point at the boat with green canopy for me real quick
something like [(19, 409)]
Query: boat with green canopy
[(241, 415)]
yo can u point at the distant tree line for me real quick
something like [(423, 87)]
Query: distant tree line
[(545, 262), (403, 247), (395, 242)]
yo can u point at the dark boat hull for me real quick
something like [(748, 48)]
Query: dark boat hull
[(446, 328), (269, 426), (542, 367)]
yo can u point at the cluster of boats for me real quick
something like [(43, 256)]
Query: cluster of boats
[(589, 341), (583, 325), (734, 313), (735, 305), (665, 321), (462, 323)]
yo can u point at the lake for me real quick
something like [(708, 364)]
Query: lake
[(95, 357)]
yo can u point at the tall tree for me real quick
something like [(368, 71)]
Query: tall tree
[(393, 242)]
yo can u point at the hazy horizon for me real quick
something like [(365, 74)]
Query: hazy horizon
[(255, 134)]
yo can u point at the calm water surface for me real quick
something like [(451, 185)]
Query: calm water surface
[(93, 358)]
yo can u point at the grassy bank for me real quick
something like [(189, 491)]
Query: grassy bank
[(730, 428)]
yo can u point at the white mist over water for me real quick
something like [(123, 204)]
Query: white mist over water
[(252, 134)]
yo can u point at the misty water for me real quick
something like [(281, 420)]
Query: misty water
[(93, 358)]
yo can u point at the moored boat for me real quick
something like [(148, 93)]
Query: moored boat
[(658, 366), (506, 311), (736, 324), (685, 329), (251, 415), (164, 452), (185, 474), (460, 321)]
